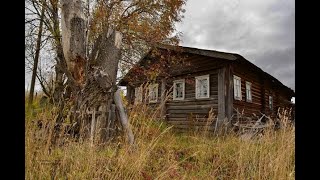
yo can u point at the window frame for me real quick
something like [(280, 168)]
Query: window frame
[(183, 89), (197, 78), (234, 88), (250, 89), (151, 87)]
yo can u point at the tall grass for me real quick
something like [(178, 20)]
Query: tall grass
[(158, 153)]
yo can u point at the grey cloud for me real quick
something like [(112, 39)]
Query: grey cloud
[(261, 31), (279, 63)]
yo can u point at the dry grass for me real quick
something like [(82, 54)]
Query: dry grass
[(158, 153)]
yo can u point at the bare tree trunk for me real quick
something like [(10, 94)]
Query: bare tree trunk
[(99, 85), (73, 37), (36, 58)]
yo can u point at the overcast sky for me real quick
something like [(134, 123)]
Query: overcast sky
[(261, 31)]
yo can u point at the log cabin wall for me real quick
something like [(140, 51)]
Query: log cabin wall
[(262, 87), (243, 106), (192, 112), (280, 99)]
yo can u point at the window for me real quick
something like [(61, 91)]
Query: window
[(178, 89), (202, 87), (153, 93), (237, 87), (138, 95), (270, 103), (248, 92)]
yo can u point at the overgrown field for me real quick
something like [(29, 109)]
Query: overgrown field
[(158, 153)]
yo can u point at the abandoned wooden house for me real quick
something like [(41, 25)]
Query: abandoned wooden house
[(203, 81)]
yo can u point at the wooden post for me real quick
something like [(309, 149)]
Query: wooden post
[(229, 92), (129, 94), (163, 97), (93, 125), (123, 116), (111, 118), (221, 96)]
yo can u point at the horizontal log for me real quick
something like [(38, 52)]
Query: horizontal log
[(186, 119), (184, 107), (188, 111), (187, 115), (177, 116), (193, 102), (191, 123), (210, 128), (254, 104)]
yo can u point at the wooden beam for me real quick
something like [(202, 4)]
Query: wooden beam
[(221, 96), (123, 116), (229, 92)]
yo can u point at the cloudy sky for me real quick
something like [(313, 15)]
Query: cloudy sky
[(261, 31)]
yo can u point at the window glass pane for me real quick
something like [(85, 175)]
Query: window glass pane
[(203, 87), (237, 87), (248, 91), (179, 90)]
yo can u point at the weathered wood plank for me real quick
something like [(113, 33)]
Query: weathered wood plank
[(188, 115), (229, 92), (221, 95), (192, 123), (123, 116), (187, 119), (210, 128)]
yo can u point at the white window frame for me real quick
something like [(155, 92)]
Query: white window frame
[(248, 89), (174, 89), (197, 86), (151, 87), (236, 78), (138, 95), (270, 102)]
